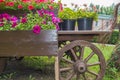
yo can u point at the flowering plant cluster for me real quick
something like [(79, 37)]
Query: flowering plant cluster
[(42, 19), (28, 4)]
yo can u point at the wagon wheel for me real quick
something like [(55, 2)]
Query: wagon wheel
[(89, 63), (3, 62)]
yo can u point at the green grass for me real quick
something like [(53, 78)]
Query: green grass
[(106, 49), (42, 62)]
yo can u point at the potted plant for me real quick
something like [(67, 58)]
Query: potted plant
[(41, 20), (28, 29), (68, 17), (85, 18)]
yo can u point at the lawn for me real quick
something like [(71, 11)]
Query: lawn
[(42, 62), (46, 63)]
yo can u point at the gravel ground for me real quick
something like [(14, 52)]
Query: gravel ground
[(15, 70)]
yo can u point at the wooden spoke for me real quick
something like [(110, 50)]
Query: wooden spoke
[(93, 73), (81, 53), (74, 54), (67, 60), (84, 76), (89, 57), (93, 64), (69, 77), (77, 76), (65, 69)]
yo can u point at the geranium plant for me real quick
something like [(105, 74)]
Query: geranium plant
[(41, 20), (28, 4)]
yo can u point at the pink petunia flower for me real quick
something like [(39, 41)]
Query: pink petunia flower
[(57, 27), (36, 29), (14, 19), (55, 20), (14, 24), (6, 16), (1, 24), (24, 20)]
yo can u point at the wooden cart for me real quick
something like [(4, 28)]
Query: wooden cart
[(26, 43), (74, 56)]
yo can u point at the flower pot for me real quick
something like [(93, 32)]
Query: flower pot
[(67, 24), (85, 23)]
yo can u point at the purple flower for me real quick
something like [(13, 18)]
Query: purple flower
[(36, 29), (6, 16), (55, 20), (14, 19), (24, 20), (14, 24)]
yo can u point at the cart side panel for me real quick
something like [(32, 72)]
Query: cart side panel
[(26, 43)]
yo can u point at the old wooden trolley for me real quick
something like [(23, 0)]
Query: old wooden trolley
[(70, 63)]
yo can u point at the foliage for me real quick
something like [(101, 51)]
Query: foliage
[(28, 4), (43, 19), (114, 37), (31, 77), (107, 10), (67, 13), (7, 76), (86, 13), (39, 62), (118, 19)]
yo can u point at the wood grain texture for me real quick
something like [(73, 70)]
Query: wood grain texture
[(26, 43)]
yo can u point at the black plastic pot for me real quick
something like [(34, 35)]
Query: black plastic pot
[(60, 25), (85, 23), (67, 24)]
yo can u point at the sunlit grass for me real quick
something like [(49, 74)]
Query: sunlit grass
[(42, 62)]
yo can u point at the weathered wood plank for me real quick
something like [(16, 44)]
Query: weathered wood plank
[(26, 43)]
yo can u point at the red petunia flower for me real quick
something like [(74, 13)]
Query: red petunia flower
[(2, 1), (30, 7), (51, 7), (41, 1), (10, 4), (20, 6), (26, 1)]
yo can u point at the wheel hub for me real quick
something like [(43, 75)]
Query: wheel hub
[(80, 67)]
